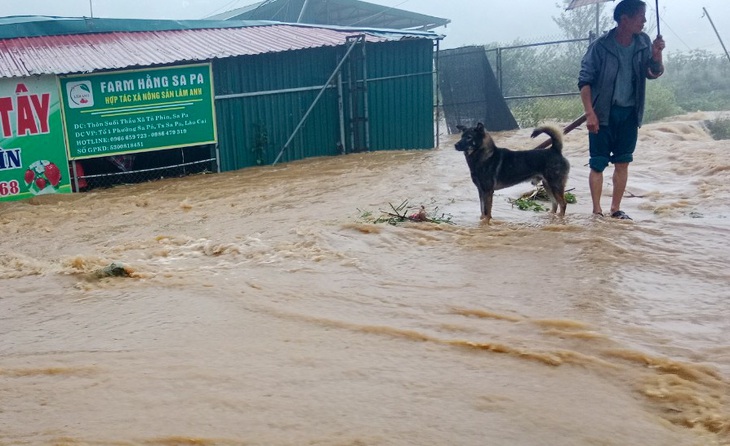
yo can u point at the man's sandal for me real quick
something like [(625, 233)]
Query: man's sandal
[(620, 215)]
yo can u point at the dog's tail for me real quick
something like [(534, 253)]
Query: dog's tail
[(555, 135)]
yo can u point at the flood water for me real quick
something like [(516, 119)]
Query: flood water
[(265, 307)]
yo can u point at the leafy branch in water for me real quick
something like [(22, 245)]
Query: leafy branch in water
[(529, 200), (404, 213), (527, 204)]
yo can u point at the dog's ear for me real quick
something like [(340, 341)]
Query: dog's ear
[(480, 128), (461, 128)]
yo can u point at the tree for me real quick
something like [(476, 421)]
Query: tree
[(578, 23), (698, 79)]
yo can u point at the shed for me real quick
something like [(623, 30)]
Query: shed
[(281, 91)]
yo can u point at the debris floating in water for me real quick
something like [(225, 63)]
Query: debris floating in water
[(114, 269), (403, 213), (529, 200)]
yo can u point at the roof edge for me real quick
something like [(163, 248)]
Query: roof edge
[(14, 27)]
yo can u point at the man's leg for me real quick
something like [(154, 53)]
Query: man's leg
[(627, 133), (599, 148), (620, 177), (595, 182)]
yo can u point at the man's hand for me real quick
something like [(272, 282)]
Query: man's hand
[(591, 117), (657, 47), (656, 67), (592, 122)]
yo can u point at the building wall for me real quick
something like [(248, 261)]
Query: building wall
[(279, 88), (401, 95)]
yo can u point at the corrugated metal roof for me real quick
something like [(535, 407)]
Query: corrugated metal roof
[(13, 27), (83, 53), (334, 12)]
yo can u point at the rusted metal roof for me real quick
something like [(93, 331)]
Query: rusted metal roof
[(83, 53)]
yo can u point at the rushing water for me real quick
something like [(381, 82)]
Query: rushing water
[(265, 307)]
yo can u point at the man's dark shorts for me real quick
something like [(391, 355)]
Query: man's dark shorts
[(616, 141)]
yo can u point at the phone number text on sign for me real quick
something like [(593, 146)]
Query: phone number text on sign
[(11, 187)]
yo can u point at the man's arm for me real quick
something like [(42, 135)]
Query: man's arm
[(591, 118)]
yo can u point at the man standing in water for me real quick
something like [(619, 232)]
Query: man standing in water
[(612, 84)]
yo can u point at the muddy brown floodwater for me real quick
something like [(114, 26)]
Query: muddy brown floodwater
[(264, 307)]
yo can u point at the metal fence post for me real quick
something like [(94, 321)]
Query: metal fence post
[(499, 70)]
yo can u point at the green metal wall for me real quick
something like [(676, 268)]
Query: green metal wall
[(271, 118), (400, 93)]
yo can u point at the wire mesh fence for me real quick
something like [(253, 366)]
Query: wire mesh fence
[(108, 171), (538, 81)]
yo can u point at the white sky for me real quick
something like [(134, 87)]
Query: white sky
[(472, 21)]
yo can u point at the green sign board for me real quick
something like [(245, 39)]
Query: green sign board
[(32, 150), (138, 110)]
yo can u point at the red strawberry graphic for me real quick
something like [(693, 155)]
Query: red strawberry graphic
[(40, 183), (53, 174), (29, 175)]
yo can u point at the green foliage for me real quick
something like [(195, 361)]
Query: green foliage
[(528, 204), (694, 81), (699, 80), (533, 112), (661, 102), (539, 70), (578, 22), (530, 200), (719, 128)]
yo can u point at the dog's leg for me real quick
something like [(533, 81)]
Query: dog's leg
[(485, 203), (563, 203), (560, 196), (487, 210), (551, 195), (557, 196), (481, 202)]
